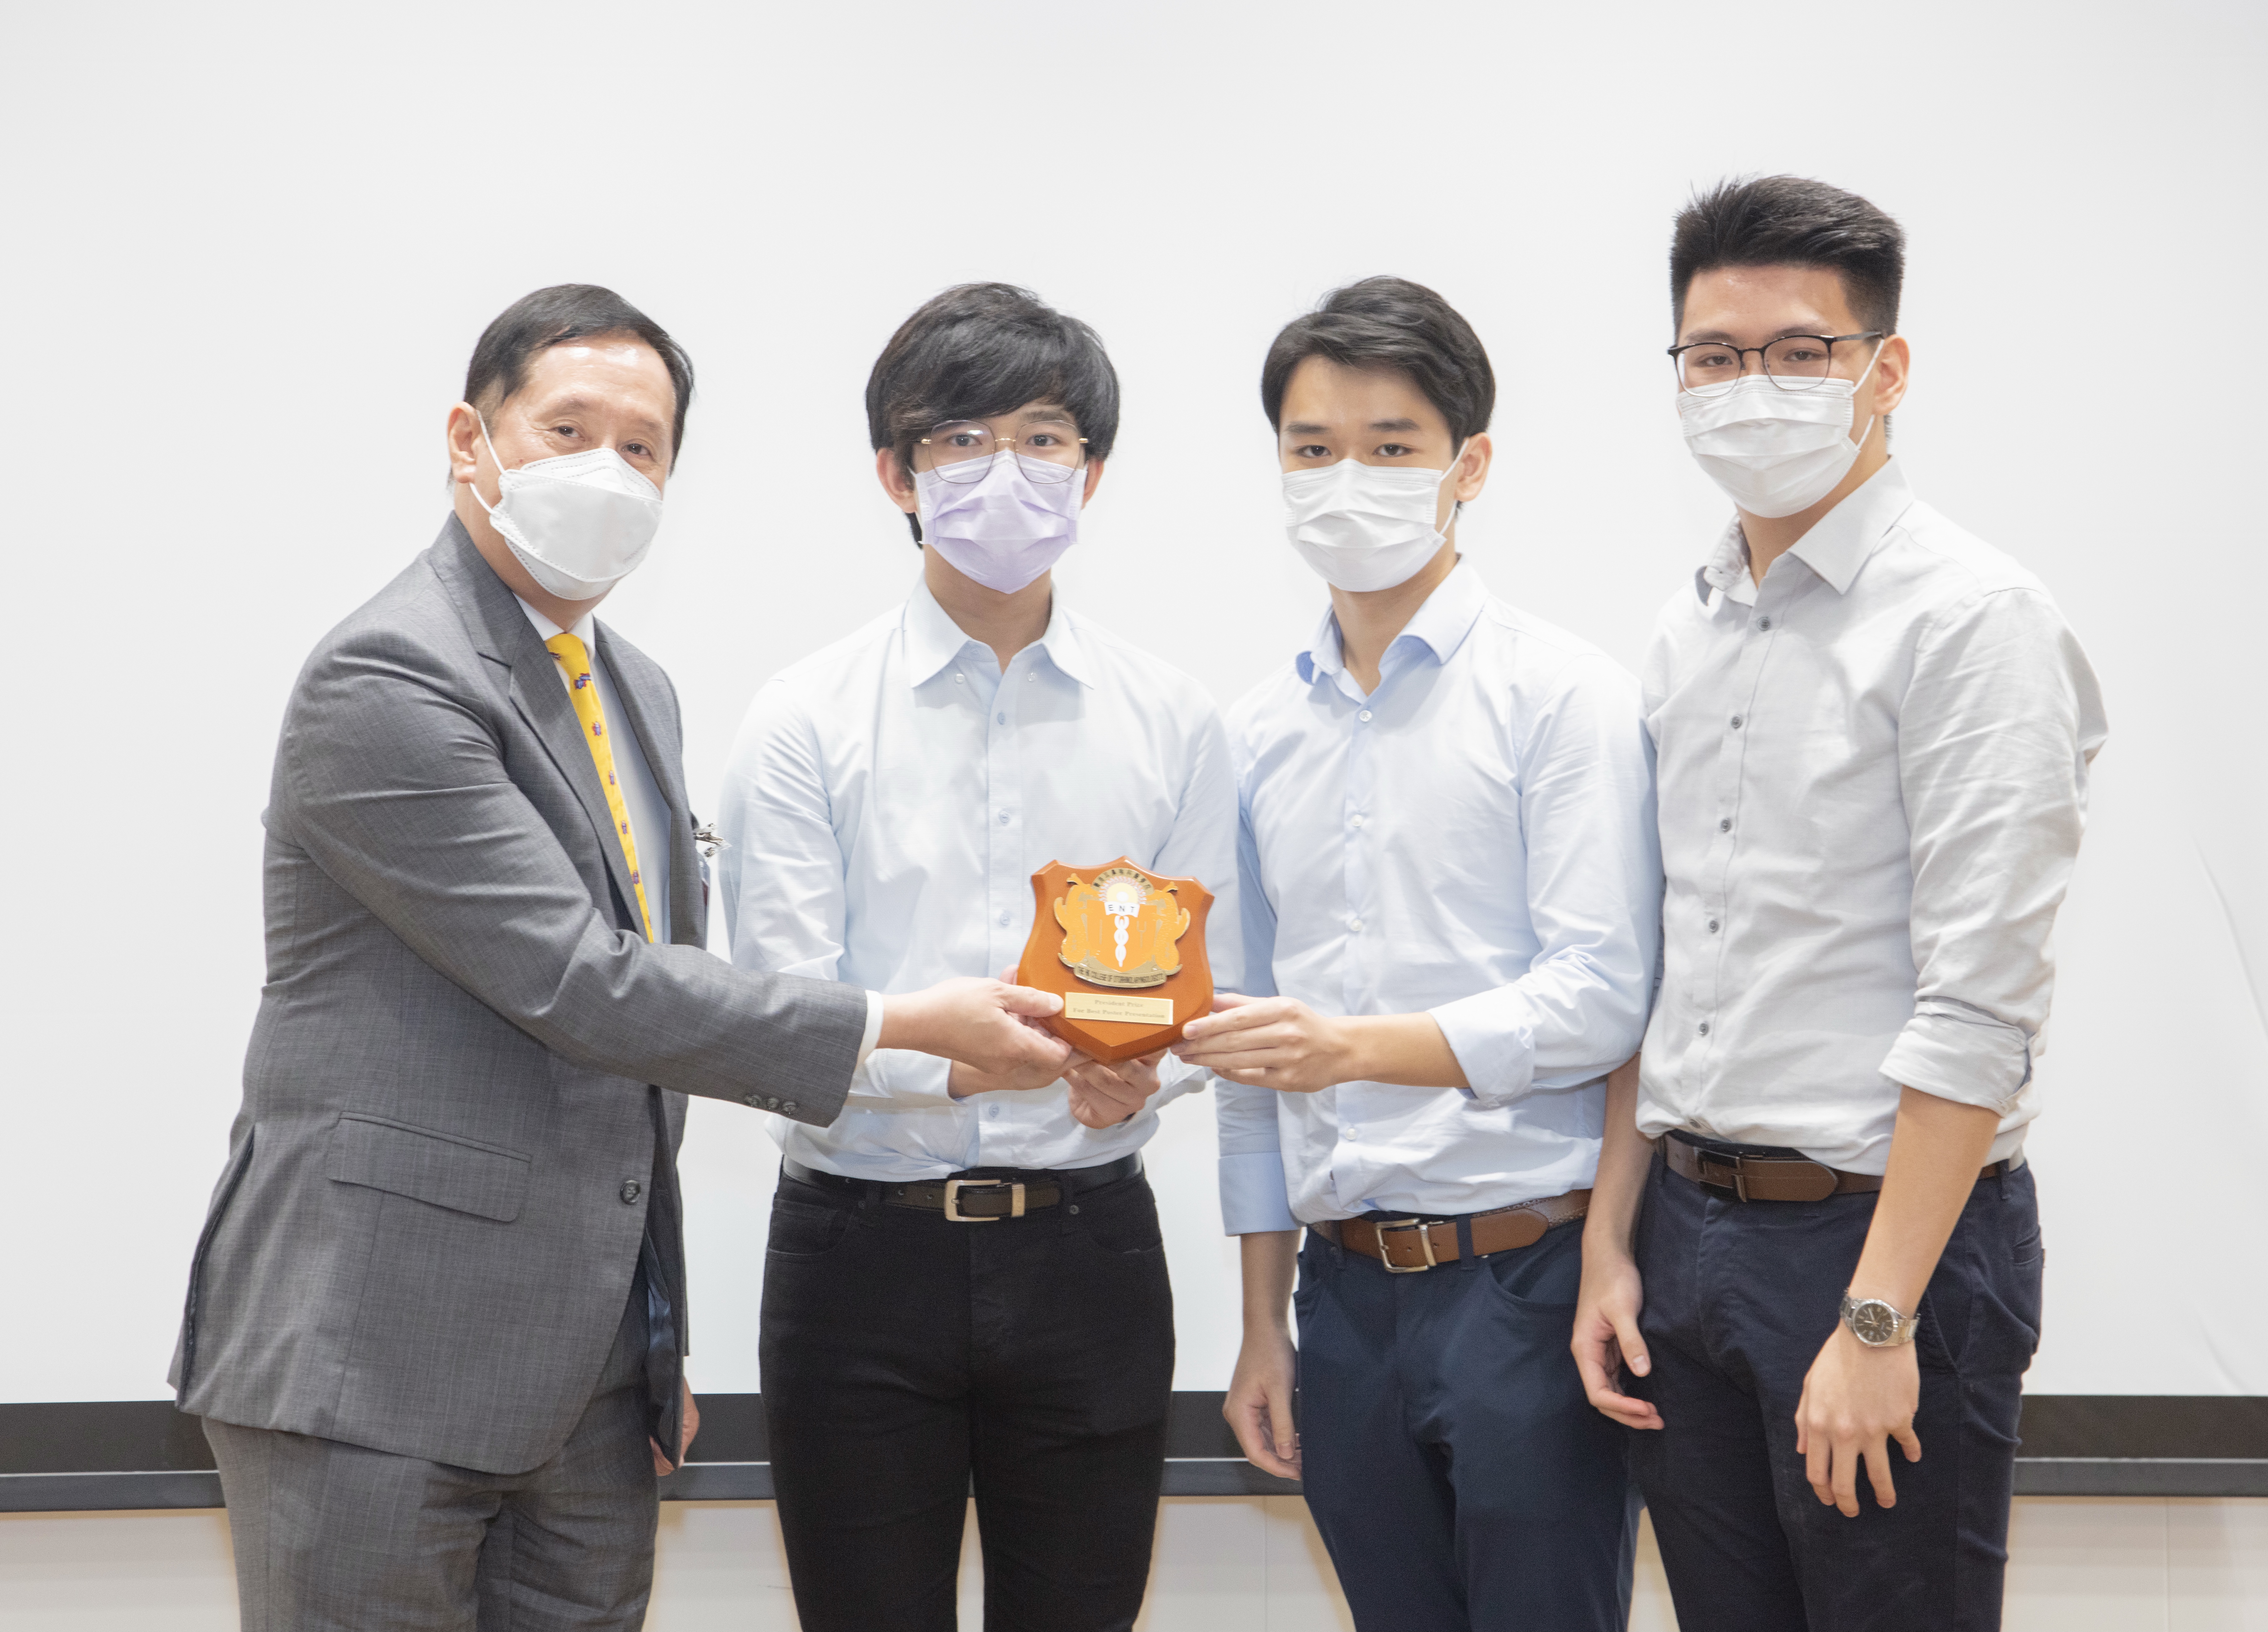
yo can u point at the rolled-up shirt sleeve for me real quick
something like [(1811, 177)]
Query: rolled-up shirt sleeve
[(1203, 846), (2001, 722), (1253, 1196), (1587, 807)]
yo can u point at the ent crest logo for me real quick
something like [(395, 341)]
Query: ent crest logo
[(1121, 930)]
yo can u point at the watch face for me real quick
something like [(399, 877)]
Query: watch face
[(1874, 1322)]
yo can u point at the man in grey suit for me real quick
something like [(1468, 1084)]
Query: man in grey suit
[(436, 1320)]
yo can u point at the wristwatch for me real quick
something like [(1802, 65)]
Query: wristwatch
[(1876, 1324)]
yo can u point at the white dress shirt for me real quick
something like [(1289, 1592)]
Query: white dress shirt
[(886, 805), (1874, 776), (649, 811), (1475, 840)]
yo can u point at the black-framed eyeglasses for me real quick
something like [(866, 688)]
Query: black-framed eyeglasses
[(1792, 362), (962, 450)]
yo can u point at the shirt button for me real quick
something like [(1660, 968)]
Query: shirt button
[(960, 680), (993, 1111), (1736, 722), (1357, 821), (1704, 1027), (1724, 826), (1764, 623), (632, 1190), (1364, 716), (1033, 676), (1004, 818), (1003, 920), (1712, 925), (1000, 719), (1355, 924)]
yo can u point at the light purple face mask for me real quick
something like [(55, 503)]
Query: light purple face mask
[(1005, 529)]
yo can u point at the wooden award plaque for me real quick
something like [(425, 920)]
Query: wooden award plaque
[(1125, 951)]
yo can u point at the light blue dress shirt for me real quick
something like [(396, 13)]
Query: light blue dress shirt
[(1474, 840), (884, 807), (1875, 770)]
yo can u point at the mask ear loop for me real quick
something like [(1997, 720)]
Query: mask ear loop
[(1866, 374), (475, 484), (1456, 504)]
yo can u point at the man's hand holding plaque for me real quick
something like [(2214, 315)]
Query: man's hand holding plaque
[(1281, 1042)]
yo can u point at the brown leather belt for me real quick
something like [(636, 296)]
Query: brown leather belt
[(1408, 1246), (1779, 1178), (975, 1199)]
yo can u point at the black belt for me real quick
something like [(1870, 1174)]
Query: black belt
[(981, 1196), (1781, 1175)]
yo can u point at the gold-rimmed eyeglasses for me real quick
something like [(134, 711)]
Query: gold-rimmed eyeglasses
[(962, 450)]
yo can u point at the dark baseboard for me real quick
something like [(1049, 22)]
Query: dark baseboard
[(107, 1455)]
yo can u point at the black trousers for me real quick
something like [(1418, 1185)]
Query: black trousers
[(1740, 1297), (906, 1357), (1461, 1480)]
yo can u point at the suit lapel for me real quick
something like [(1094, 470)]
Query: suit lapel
[(503, 633), (661, 758)]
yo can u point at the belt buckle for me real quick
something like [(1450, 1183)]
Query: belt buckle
[(1729, 1174), (1425, 1239), (955, 1187)]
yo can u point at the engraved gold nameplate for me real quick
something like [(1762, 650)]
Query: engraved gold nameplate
[(1148, 1011), (1125, 951)]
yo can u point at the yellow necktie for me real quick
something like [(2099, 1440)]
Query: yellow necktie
[(576, 660)]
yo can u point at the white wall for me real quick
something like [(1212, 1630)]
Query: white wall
[(1223, 1565), (248, 249)]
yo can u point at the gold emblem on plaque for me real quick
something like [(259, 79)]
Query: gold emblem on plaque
[(1121, 929), (1109, 941)]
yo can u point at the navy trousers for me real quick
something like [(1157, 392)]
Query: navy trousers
[(1740, 1297), (1459, 1479)]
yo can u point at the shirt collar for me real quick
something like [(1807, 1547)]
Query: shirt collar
[(934, 640), (1442, 624), (586, 629), (1836, 548)]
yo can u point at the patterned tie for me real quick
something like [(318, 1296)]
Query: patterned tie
[(576, 660)]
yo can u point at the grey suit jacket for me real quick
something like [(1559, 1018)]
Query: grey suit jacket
[(436, 1186)]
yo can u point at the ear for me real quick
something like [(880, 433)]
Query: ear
[(896, 480), (1472, 471), (1093, 480), (463, 435), (1893, 369)]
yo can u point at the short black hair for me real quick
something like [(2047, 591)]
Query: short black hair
[(1790, 220), (554, 316), (1390, 323), (981, 350)]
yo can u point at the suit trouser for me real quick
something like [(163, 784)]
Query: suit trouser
[(338, 1537), (1461, 1480), (1740, 1298), (907, 1358)]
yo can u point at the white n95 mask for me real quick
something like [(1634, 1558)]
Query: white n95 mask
[(1774, 450), (1005, 529), (579, 523), (1365, 527)]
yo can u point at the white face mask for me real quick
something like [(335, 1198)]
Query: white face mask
[(579, 524), (1775, 452), (1365, 527), (1005, 529)]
